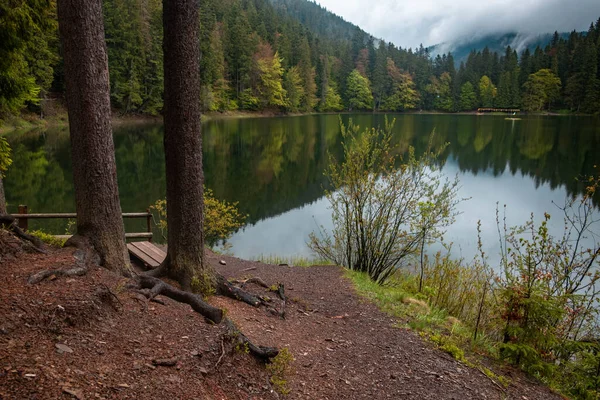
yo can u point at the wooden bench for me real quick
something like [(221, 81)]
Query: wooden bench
[(147, 253)]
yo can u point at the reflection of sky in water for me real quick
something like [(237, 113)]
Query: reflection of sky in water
[(287, 234)]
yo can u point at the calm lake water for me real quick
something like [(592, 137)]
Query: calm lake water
[(274, 168)]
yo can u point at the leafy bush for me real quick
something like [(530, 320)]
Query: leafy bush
[(221, 218), (384, 209)]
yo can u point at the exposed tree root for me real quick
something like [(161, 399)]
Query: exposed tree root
[(84, 256), (9, 223), (256, 280), (225, 288), (158, 286), (40, 276), (261, 352), (281, 294)]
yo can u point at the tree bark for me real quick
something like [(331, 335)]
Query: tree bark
[(92, 148), (183, 143), (2, 198)]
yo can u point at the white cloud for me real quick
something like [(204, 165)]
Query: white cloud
[(408, 23)]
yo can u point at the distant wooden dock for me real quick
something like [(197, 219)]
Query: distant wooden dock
[(505, 110)]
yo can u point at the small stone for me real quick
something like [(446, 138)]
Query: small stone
[(63, 348), (77, 393), (222, 262), (203, 371), (123, 385)]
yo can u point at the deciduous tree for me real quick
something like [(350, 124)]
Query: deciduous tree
[(468, 98), (541, 89), (358, 92)]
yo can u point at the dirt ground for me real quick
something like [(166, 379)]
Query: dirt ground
[(92, 338)]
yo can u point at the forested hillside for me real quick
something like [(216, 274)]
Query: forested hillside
[(294, 56)]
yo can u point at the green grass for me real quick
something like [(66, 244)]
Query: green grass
[(296, 261), (449, 334)]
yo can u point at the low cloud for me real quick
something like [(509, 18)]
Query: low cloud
[(408, 23)]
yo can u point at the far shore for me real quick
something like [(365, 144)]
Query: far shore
[(30, 121)]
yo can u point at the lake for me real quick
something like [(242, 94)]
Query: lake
[(274, 168)]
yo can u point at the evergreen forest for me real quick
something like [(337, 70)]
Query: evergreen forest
[(293, 56)]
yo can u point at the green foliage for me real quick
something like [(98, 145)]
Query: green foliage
[(358, 92), (487, 92), (294, 89), (540, 313), (383, 207), (541, 89), (404, 95), (441, 91), (48, 239), (332, 100), (5, 160), (133, 40), (468, 98), (27, 36), (231, 35), (280, 368), (221, 218), (203, 284)]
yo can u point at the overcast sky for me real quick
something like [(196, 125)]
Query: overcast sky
[(407, 23)]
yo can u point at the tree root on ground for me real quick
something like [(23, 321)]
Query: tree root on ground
[(158, 286), (261, 352), (40, 276), (84, 256), (227, 289), (9, 223), (151, 287)]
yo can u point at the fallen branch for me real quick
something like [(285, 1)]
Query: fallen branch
[(158, 286), (261, 352)]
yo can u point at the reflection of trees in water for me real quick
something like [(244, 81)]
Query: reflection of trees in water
[(273, 165)]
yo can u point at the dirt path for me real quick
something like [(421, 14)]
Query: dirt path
[(344, 348)]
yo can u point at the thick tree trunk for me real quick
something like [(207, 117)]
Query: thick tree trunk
[(92, 148), (183, 142), (2, 198)]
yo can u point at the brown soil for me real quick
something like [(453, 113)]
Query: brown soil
[(344, 348)]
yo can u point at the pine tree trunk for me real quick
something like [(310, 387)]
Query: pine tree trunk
[(183, 142), (2, 198), (92, 148)]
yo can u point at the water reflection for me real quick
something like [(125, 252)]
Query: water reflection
[(274, 168)]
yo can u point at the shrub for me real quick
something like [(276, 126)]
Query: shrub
[(384, 209), (221, 218)]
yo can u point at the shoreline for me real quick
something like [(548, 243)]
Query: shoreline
[(29, 121)]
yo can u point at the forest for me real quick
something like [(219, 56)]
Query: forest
[(293, 56)]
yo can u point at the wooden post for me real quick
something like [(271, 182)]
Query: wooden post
[(23, 221), (149, 223)]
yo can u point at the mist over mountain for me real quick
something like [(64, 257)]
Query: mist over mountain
[(461, 48)]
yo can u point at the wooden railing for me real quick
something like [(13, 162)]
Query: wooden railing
[(23, 218)]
